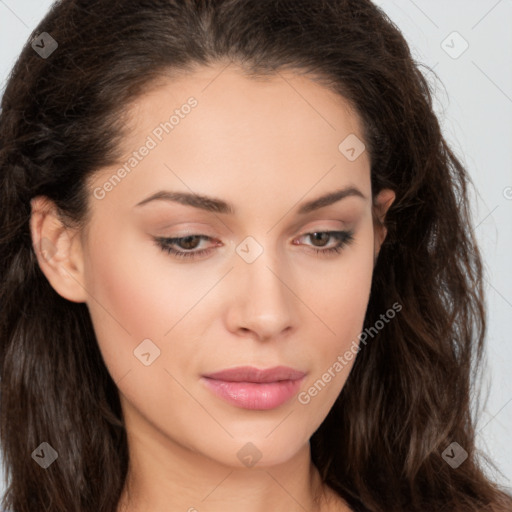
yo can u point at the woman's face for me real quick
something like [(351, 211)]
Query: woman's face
[(251, 290)]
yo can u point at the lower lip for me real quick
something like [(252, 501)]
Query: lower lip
[(252, 395)]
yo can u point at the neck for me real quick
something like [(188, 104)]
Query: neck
[(177, 478)]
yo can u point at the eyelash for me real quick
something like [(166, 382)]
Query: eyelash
[(344, 238)]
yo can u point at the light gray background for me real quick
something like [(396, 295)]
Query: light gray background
[(474, 104)]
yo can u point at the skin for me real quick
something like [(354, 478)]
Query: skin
[(265, 147)]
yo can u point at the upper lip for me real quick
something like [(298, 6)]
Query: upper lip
[(252, 374)]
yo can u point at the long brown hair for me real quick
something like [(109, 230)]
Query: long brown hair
[(410, 392)]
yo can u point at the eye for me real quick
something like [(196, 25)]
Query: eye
[(190, 242), (343, 238)]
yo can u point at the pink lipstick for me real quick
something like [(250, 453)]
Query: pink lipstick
[(252, 388)]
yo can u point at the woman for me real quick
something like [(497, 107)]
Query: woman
[(238, 270)]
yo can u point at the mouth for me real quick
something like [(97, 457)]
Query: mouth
[(251, 388)]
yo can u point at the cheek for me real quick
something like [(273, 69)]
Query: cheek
[(131, 301), (342, 291), (340, 298)]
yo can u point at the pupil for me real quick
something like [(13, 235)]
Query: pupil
[(319, 236), (186, 240)]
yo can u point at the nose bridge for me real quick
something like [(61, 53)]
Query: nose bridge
[(264, 303)]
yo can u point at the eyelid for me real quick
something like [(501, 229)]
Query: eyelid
[(343, 237)]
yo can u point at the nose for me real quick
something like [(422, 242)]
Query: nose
[(262, 303)]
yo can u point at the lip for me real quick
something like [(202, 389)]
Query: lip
[(252, 374), (248, 387)]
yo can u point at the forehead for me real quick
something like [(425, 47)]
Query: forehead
[(230, 97), (280, 131)]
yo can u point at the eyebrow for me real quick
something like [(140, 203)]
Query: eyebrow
[(216, 205)]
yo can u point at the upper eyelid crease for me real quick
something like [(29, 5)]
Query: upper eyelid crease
[(215, 205), (335, 234), (344, 238)]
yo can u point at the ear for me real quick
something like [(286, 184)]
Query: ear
[(58, 250), (381, 205)]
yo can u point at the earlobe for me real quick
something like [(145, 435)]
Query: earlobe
[(57, 249)]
